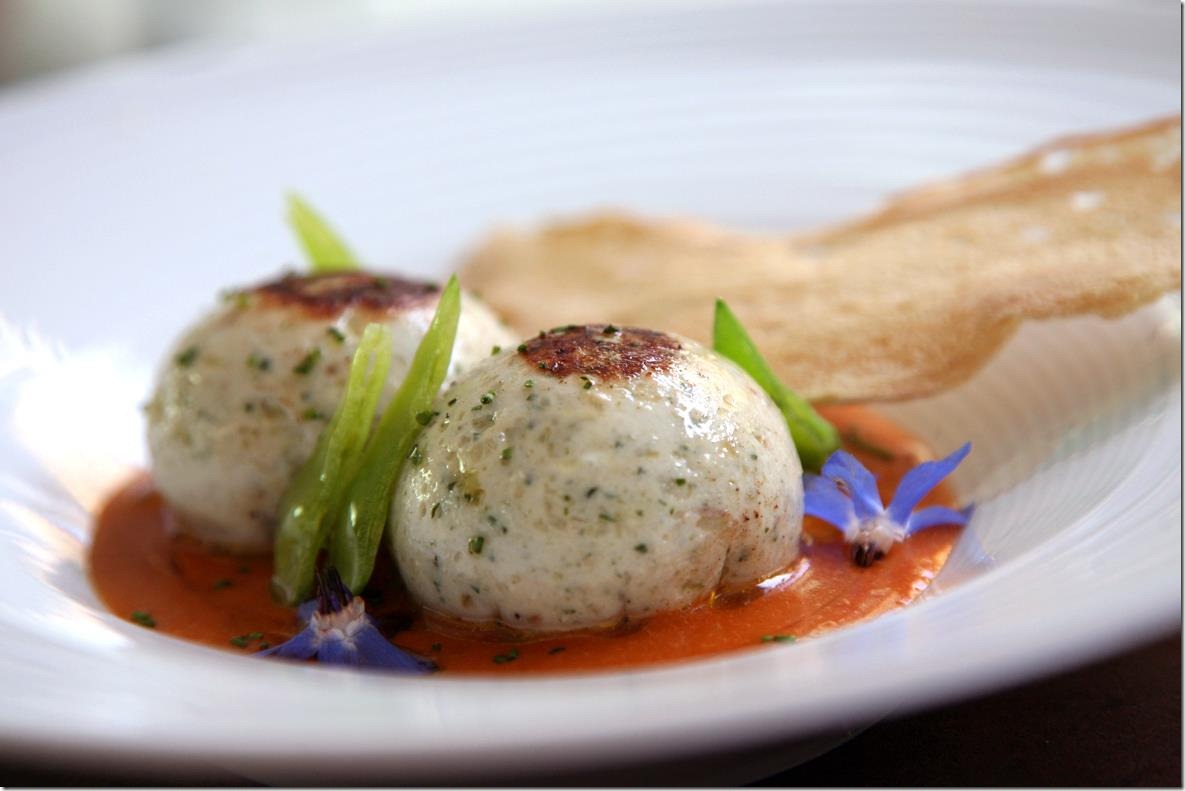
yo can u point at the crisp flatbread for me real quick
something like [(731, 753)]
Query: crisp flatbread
[(907, 302)]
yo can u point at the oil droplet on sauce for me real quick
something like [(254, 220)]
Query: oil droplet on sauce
[(139, 564)]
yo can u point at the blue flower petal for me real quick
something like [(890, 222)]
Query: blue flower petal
[(937, 515), (823, 499), (302, 646), (919, 481), (846, 468), (374, 650), (335, 652)]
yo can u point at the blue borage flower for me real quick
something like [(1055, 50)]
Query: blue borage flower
[(339, 632), (846, 496)]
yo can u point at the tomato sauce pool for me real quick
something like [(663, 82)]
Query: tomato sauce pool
[(144, 571)]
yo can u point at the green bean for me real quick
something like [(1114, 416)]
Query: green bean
[(326, 250), (360, 520), (319, 485), (814, 437)]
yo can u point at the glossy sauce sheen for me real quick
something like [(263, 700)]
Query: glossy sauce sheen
[(139, 564)]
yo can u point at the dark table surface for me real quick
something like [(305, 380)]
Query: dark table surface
[(1113, 723)]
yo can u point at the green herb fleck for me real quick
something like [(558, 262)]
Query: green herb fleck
[(529, 383), (306, 365), (641, 548), (777, 638), (604, 517), (587, 383), (452, 401), (436, 510), (495, 350), (593, 490), (255, 636), (186, 357), (488, 398), (509, 656), (610, 330), (680, 481), (542, 366), (475, 544), (522, 348), (240, 641), (336, 334), (312, 413), (259, 362), (416, 456), (143, 618), (507, 454), (221, 584), (426, 417)]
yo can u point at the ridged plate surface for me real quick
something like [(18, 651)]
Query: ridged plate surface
[(133, 194)]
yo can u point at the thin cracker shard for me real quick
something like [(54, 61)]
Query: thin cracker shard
[(909, 301)]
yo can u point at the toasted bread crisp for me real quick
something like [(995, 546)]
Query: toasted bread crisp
[(909, 301)]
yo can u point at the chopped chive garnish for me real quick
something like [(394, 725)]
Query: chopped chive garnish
[(425, 417), (587, 383), (221, 584), (258, 362), (187, 357), (641, 548), (529, 383), (592, 490), (475, 545), (507, 454), (488, 398), (509, 656), (436, 510), (143, 618), (604, 517), (239, 642), (336, 334), (680, 481), (416, 456), (452, 402), (255, 636), (777, 638), (814, 437), (522, 348), (308, 362), (325, 249), (312, 413), (610, 330), (495, 350)]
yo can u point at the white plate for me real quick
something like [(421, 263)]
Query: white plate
[(132, 194)]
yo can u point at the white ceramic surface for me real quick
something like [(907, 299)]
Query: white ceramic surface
[(132, 194)]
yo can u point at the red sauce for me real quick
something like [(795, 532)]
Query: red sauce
[(139, 564)]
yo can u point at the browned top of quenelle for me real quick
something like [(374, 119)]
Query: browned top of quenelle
[(599, 350), (331, 293)]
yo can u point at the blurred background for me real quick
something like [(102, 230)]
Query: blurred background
[(40, 37)]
